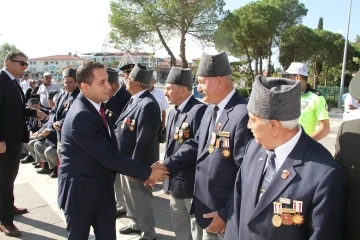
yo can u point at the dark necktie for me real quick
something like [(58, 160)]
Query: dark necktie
[(213, 121), (15, 81), (130, 104), (102, 113), (269, 172), (175, 120)]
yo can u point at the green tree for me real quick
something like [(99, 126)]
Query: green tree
[(297, 44), (156, 21), (356, 43), (320, 24), (5, 49)]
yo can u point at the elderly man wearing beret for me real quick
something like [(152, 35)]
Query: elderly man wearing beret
[(289, 186), (218, 148), (64, 101), (136, 132)]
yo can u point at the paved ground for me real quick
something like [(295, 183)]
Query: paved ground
[(45, 221)]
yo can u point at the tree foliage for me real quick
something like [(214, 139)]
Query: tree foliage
[(5, 49), (156, 21)]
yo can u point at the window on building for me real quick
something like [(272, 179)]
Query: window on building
[(67, 62), (46, 63), (51, 62), (56, 62), (74, 62), (46, 69)]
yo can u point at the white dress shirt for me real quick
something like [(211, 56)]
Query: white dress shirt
[(223, 103), (97, 107)]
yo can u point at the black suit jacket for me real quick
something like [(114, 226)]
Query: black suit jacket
[(89, 160), (62, 107), (141, 143), (315, 178), (13, 128), (116, 105), (215, 174), (182, 185), (347, 153)]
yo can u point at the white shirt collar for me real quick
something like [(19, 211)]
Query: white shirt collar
[(283, 151), (183, 104), (97, 106), (9, 74), (224, 102), (137, 95)]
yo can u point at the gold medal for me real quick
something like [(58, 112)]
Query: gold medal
[(123, 125), (211, 149), (132, 128), (276, 220), (217, 144), (226, 153), (298, 219), (176, 136), (110, 114), (180, 140)]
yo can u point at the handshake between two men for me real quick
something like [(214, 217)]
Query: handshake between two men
[(159, 173)]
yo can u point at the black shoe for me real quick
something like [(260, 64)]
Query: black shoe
[(34, 163), (54, 173), (44, 171), (146, 239), (37, 165), (128, 230), (27, 159)]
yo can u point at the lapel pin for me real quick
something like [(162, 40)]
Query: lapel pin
[(218, 126), (285, 174), (260, 159)]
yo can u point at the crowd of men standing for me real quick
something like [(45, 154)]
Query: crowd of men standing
[(233, 169)]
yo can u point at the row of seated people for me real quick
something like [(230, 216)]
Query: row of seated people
[(42, 148)]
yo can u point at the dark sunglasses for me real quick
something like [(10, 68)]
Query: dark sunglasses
[(22, 63)]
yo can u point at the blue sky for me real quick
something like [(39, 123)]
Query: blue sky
[(41, 29)]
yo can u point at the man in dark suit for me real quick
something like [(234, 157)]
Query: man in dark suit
[(347, 153), (114, 106), (289, 186), (64, 101), (218, 147), (13, 133), (136, 133), (183, 123), (89, 159)]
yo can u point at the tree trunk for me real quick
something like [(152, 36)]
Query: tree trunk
[(173, 59), (327, 74), (316, 73), (268, 74), (256, 66), (261, 66), (182, 50), (249, 62)]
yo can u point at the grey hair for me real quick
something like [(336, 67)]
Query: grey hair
[(289, 124), (144, 86), (13, 54)]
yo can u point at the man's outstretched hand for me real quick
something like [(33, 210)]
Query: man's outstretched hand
[(159, 173)]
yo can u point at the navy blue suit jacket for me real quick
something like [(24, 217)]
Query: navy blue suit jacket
[(182, 185), (116, 105), (62, 107), (89, 159), (215, 174), (13, 128), (315, 178), (142, 143)]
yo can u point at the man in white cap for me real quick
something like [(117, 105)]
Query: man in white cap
[(313, 104), (45, 88)]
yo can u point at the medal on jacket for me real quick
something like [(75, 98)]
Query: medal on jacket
[(286, 216), (226, 145), (298, 218), (276, 219), (110, 114), (39, 124), (176, 134), (212, 142), (123, 124), (184, 125), (285, 174), (181, 134), (132, 126), (217, 144)]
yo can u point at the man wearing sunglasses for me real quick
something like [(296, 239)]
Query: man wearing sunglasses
[(13, 133)]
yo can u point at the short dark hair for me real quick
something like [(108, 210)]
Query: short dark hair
[(13, 54), (85, 74)]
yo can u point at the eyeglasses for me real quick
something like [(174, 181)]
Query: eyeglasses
[(22, 63)]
